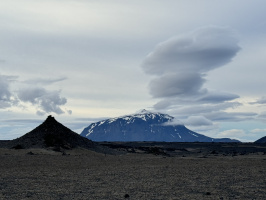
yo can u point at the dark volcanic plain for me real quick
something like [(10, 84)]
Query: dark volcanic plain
[(137, 171)]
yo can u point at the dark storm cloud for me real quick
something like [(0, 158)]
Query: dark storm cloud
[(46, 101), (181, 63)]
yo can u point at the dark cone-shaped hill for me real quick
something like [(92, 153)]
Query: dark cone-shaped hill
[(52, 134)]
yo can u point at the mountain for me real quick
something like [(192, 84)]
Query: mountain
[(144, 126), (51, 134), (261, 140)]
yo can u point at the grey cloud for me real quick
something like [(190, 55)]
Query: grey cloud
[(262, 116), (176, 84), (190, 107), (4, 104), (204, 109), (231, 117), (5, 93), (43, 81), (40, 113), (163, 104), (181, 63), (202, 50), (262, 100), (6, 97), (197, 96), (180, 66), (90, 120), (31, 94), (22, 121), (214, 97), (198, 121), (199, 115), (46, 101), (51, 102), (69, 112)]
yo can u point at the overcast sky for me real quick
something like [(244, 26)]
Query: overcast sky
[(202, 62)]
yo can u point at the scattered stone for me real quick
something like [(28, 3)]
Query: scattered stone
[(18, 146), (30, 153), (213, 152)]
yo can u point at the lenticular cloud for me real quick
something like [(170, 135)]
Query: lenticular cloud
[(181, 63)]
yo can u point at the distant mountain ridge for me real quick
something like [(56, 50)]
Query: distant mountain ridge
[(144, 126)]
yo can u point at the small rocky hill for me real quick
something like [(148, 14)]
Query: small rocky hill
[(51, 134), (261, 140)]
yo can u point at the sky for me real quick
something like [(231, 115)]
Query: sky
[(202, 62)]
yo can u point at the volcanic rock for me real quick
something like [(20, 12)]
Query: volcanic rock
[(51, 134), (261, 140)]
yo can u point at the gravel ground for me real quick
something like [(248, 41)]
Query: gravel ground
[(82, 174)]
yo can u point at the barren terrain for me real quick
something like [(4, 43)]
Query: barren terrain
[(83, 174)]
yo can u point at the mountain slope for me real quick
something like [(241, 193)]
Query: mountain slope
[(144, 126), (51, 134), (261, 140)]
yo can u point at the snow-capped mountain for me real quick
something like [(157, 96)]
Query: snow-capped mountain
[(144, 126)]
